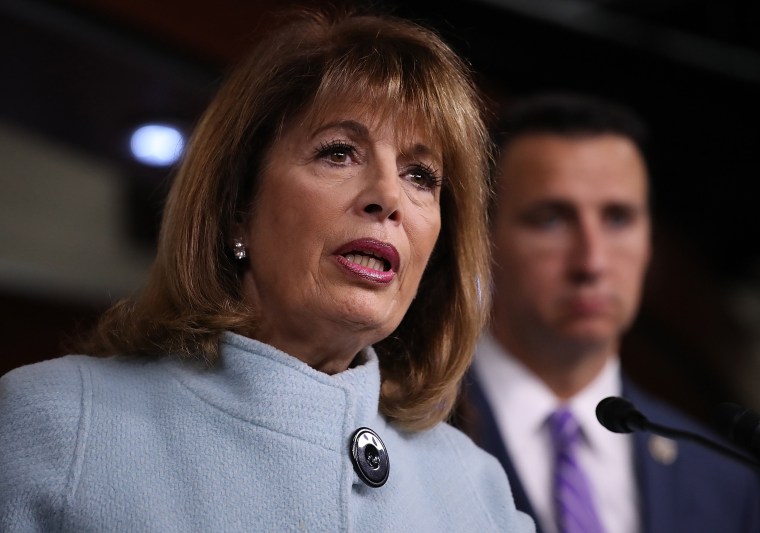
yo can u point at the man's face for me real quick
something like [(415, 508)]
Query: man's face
[(571, 240)]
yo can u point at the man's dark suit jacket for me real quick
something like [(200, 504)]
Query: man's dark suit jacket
[(699, 492)]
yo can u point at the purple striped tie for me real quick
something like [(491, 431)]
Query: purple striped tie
[(574, 507)]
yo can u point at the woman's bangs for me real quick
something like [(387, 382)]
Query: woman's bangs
[(382, 97)]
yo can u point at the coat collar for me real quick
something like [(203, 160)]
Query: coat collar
[(260, 384)]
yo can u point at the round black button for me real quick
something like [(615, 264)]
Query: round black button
[(370, 458)]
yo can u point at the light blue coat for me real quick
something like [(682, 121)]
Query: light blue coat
[(258, 443)]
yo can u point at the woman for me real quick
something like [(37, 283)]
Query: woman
[(311, 310)]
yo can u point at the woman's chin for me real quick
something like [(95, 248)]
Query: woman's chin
[(370, 323)]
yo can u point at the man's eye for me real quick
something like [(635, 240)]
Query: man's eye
[(544, 219), (619, 216)]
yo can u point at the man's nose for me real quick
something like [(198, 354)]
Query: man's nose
[(590, 255)]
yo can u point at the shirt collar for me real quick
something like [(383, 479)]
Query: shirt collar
[(583, 405), (526, 402)]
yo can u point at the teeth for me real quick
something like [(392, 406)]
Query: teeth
[(375, 264), (367, 261)]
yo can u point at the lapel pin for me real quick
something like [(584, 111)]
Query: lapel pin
[(663, 450)]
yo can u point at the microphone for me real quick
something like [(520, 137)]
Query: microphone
[(620, 416), (739, 425)]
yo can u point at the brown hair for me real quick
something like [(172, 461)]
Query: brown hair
[(193, 291)]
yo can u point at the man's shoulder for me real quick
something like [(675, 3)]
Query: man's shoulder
[(686, 484), (662, 412), (690, 464)]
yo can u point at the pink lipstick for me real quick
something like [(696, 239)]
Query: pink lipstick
[(369, 259)]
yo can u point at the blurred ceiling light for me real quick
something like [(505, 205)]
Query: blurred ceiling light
[(157, 145)]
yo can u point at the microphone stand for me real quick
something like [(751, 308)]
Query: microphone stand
[(658, 429), (620, 416)]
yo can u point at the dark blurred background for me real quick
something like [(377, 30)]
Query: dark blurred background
[(78, 215)]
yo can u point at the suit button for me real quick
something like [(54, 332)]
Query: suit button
[(370, 458)]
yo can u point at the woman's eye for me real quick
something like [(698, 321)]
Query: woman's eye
[(423, 177), (336, 152)]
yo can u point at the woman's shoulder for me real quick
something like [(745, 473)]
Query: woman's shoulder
[(54, 382), (58, 377), (66, 373), (47, 398), (56, 390), (45, 412), (40, 418)]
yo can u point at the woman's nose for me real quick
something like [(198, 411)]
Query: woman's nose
[(381, 193)]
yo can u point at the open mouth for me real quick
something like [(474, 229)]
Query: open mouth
[(368, 260)]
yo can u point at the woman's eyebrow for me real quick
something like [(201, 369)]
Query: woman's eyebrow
[(353, 126), (419, 149), (361, 130)]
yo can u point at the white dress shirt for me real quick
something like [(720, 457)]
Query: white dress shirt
[(521, 404)]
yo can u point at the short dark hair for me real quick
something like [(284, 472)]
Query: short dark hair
[(567, 115), (570, 115)]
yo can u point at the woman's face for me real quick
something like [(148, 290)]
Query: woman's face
[(344, 223)]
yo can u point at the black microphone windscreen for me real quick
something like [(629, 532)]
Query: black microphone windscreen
[(738, 424), (619, 415), (743, 426)]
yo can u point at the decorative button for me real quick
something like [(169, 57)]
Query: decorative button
[(370, 458)]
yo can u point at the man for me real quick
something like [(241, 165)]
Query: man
[(571, 242)]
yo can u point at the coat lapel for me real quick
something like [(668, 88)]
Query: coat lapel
[(656, 463), (486, 435)]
